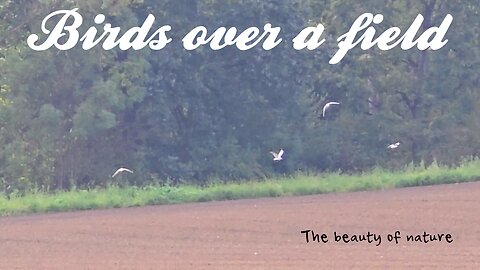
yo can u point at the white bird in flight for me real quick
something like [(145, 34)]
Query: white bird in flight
[(277, 157), (325, 108), (394, 145), (121, 170)]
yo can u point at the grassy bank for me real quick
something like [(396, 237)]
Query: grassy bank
[(299, 185)]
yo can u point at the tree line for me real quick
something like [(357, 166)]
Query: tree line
[(71, 118)]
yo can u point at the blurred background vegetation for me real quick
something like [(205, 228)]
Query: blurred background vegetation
[(71, 118)]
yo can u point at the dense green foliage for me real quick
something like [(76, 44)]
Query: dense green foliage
[(115, 197), (68, 119)]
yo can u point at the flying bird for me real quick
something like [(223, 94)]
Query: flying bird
[(277, 157), (325, 108), (394, 145), (121, 170)]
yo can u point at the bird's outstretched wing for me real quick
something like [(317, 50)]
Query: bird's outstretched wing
[(121, 170), (327, 106), (115, 173), (274, 154), (324, 109), (280, 154)]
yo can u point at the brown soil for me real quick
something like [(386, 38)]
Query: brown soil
[(255, 234)]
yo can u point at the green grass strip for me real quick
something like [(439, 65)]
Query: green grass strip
[(116, 197)]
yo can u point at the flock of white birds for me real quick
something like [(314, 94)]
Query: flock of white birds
[(276, 156)]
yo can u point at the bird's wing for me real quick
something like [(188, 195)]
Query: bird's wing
[(115, 173), (280, 154), (121, 170), (332, 103), (324, 109), (274, 154)]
